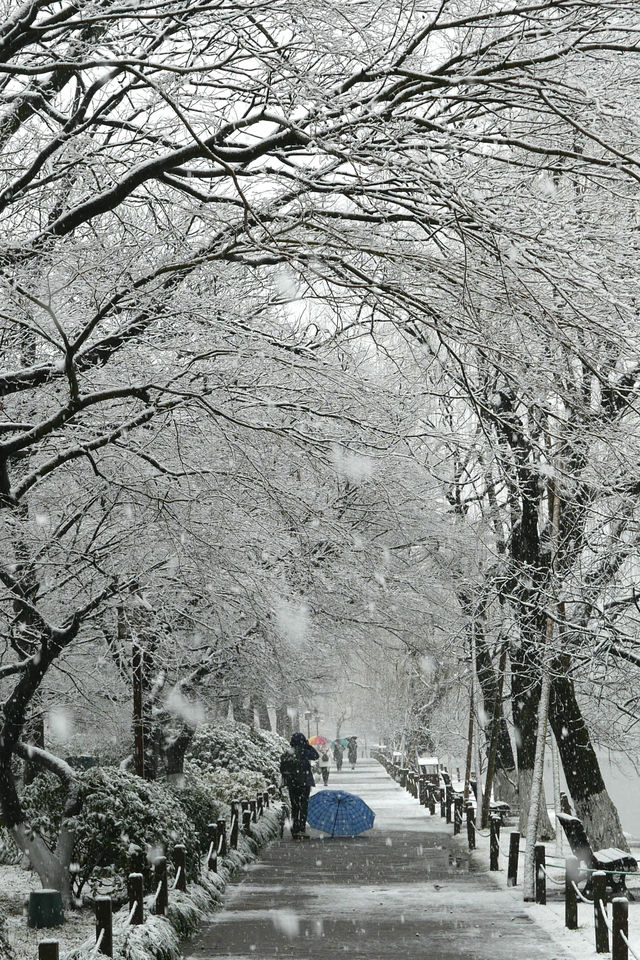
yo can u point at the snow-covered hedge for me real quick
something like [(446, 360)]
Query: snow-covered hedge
[(124, 823), (237, 747), (159, 938)]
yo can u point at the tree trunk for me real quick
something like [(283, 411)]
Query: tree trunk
[(525, 696), (241, 713), (581, 768), (52, 869), (174, 755), (263, 715)]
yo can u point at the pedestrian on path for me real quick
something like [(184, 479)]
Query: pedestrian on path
[(352, 751), (295, 768), (338, 753), (324, 765)]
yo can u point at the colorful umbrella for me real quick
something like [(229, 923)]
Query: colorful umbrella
[(339, 813), (318, 741)]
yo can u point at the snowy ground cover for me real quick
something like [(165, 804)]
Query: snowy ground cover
[(580, 942), (158, 938)]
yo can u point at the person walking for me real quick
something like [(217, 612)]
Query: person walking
[(324, 765), (295, 768), (352, 751), (338, 753)]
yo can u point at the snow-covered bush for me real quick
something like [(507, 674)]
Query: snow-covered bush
[(9, 853), (123, 823), (197, 797), (237, 747), (227, 785)]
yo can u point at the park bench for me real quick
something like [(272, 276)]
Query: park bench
[(615, 862), (497, 808)]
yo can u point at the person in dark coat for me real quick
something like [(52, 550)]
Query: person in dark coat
[(337, 755), (352, 751), (295, 767)]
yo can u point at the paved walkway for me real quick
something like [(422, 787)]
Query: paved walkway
[(403, 890)]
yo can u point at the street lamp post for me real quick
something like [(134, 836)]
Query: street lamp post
[(316, 717), (307, 716)]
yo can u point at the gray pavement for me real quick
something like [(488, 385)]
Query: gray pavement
[(405, 889)]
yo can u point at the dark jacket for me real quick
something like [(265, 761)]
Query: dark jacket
[(295, 763)]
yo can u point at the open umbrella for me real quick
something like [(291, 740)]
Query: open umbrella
[(339, 813), (318, 742)]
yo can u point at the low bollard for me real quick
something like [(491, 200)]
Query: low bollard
[(235, 825), (212, 840), (135, 890), (180, 860), (599, 878), (104, 926), (443, 803), (514, 853), (162, 890), (222, 838), (448, 800), (494, 843), (48, 950), (571, 877), (265, 798), (246, 822), (620, 929), (539, 865), (260, 804), (457, 814), (253, 807), (431, 801), (471, 825)]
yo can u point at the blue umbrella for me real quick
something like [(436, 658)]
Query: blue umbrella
[(339, 813)]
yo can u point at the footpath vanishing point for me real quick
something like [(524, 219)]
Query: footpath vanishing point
[(407, 889)]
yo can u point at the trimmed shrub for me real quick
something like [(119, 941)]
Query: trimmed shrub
[(124, 823), (227, 785), (196, 797), (237, 747)]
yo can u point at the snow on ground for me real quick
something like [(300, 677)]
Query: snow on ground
[(580, 942), (15, 886)]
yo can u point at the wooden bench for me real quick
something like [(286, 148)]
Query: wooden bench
[(617, 863)]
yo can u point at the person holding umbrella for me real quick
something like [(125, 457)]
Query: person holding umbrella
[(352, 751), (295, 768)]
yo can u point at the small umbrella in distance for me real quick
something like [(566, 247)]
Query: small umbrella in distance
[(319, 742), (339, 813)]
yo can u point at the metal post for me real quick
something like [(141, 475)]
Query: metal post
[(620, 931), (571, 876), (48, 950), (539, 863), (104, 929), (494, 843), (135, 889), (514, 853), (471, 826), (160, 877), (180, 860), (599, 878)]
